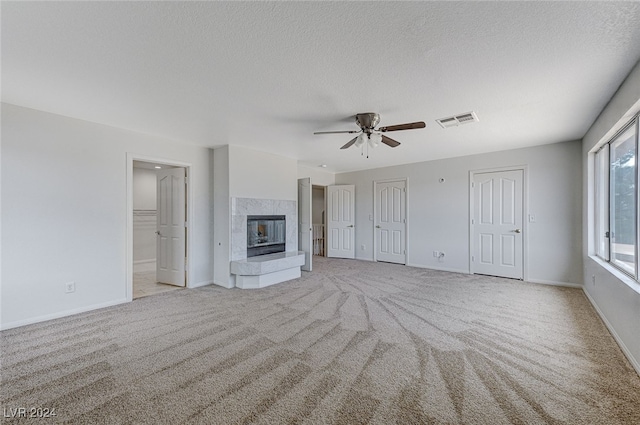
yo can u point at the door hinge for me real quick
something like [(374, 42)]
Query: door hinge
[(404, 189), (473, 184), (473, 259), (473, 221), (185, 224)]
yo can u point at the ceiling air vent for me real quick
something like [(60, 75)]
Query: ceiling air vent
[(457, 120)]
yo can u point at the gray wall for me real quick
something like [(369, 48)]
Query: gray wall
[(438, 213), (64, 213), (615, 296)]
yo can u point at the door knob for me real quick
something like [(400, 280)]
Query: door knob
[(351, 225), (378, 226), (158, 233), (518, 231)]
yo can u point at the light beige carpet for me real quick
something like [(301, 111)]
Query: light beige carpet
[(349, 343)]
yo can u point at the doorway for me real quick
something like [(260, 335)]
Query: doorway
[(157, 226), (318, 213), (311, 216), (497, 223)]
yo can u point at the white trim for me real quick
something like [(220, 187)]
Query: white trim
[(634, 362), (617, 273), (441, 269), (525, 213), (60, 314), (201, 284), (129, 214), (406, 216), (555, 283)]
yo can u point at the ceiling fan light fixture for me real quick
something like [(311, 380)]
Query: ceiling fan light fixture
[(362, 138), (375, 139)]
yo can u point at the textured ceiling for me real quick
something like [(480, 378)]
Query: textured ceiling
[(266, 75)]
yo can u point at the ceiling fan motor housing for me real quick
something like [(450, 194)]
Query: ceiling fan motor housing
[(368, 120)]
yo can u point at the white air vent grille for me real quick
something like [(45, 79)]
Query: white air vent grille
[(457, 120)]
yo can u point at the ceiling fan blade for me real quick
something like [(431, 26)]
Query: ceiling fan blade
[(349, 143), (389, 141), (408, 126), (336, 132)]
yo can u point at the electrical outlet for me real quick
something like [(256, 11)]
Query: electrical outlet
[(70, 287), (436, 254), (362, 247)]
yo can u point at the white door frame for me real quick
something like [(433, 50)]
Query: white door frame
[(189, 215), (406, 224), (525, 213)]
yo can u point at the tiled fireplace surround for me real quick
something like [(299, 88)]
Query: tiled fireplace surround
[(264, 270), (242, 207)]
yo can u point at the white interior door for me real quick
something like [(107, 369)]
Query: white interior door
[(497, 223), (341, 221), (171, 227), (391, 219), (305, 241)]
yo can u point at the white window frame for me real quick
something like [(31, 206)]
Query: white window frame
[(602, 215), (601, 191)]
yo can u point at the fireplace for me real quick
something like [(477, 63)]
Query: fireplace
[(266, 234)]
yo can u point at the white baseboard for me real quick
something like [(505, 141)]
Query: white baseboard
[(199, 284), (227, 285), (44, 318), (364, 259), (441, 269), (153, 260), (634, 362), (554, 283)]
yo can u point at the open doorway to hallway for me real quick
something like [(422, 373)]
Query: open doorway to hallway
[(158, 201), (318, 213)]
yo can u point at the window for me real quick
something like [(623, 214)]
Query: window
[(616, 200)]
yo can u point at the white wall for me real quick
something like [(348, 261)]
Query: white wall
[(144, 221), (221, 218), (144, 189), (255, 174), (240, 172), (438, 213), (616, 297), (64, 212), (319, 176)]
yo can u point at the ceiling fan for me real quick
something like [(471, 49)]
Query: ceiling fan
[(368, 133)]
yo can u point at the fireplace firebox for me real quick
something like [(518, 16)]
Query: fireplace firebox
[(266, 234)]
